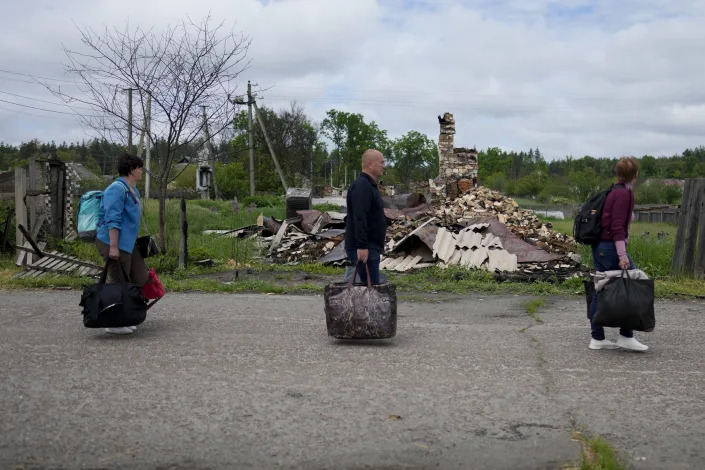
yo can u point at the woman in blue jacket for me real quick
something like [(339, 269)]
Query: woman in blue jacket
[(118, 226)]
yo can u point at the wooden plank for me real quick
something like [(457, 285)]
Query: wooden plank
[(699, 270), (20, 208), (683, 219), (32, 200), (691, 235), (21, 255), (41, 262), (66, 258), (278, 238)]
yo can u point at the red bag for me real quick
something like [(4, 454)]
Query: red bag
[(153, 288)]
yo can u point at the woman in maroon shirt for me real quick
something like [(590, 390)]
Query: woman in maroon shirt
[(611, 253)]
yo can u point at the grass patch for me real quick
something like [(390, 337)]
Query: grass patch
[(533, 306), (327, 207), (651, 255), (598, 454)]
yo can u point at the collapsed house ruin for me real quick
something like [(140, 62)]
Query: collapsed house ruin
[(464, 224)]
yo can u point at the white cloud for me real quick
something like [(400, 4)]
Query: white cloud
[(578, 77)]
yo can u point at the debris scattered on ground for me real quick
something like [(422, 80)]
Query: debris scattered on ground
[(479, 229)]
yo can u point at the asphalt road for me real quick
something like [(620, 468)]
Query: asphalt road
[(253, 381)]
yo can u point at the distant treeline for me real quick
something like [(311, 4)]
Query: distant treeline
[(330, 151)]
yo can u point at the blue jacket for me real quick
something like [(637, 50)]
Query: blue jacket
[(120, 210)]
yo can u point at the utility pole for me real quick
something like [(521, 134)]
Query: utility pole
[(269, 144), (211, 153), (251, 138)]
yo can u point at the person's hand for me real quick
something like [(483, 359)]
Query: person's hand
[(114, 252), (362, 255), (624, 262)]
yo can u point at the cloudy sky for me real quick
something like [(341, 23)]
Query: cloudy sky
[(604, 77)]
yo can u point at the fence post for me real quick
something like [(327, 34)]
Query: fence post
[(183, 248), (20, 208), (685, 258)]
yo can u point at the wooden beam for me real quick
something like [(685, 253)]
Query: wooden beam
[(20, 207), (31, 241), (683, 219)]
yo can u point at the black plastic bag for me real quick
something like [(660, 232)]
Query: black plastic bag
[(147, 246), (589, 292), (626, 303), (113, 305)]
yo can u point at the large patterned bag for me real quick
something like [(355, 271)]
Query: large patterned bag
[(355, 311)]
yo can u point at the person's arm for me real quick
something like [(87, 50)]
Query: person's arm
[(114, 250)]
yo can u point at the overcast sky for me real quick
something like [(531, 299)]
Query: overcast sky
[(602, 78)]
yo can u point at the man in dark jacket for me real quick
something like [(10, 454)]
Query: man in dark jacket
[(366, 225)]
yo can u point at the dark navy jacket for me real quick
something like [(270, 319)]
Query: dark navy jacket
[(365, 225)]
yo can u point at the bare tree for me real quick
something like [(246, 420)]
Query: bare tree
[(182, 69)]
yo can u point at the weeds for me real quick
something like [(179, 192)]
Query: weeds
[(598, 454)]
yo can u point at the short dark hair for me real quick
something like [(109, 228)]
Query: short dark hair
[(128, 162)]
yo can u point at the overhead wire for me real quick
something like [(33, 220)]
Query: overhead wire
[(44, 109), (44, 101)]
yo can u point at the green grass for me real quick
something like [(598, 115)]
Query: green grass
[(652, 256), (599, 454), (533, 306), (326, 207)]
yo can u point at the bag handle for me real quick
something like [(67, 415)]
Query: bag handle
[(625, 272), (104, 274), (369, 281)]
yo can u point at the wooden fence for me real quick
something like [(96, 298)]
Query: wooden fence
[(689, 252), (667, 214)]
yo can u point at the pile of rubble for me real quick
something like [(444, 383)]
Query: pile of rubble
[(480, 229), (482, 202)]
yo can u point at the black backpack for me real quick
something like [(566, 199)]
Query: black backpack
[(587, 227)]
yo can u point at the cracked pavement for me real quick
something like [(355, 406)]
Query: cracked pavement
[(253, 381)]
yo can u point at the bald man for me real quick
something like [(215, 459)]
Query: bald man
[(365, 225)]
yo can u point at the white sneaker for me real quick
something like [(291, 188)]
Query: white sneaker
[(133, 327), (121, 330), (631, 344), (602, 344)]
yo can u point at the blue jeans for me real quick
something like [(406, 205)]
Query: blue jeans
[(605, 257), (372, 264)]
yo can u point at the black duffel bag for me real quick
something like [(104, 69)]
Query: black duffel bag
[(113, 305), (626, 303)]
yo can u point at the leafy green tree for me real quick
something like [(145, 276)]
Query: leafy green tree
[(415, 157), (351, 136)]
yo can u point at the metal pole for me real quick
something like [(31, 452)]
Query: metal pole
[(250, 138)]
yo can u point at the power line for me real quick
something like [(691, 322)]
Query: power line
[(44, 101), (44, 109), (477, 105), (26, 74)]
